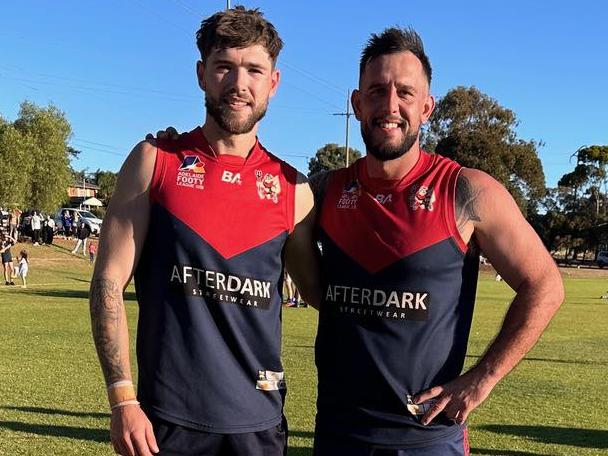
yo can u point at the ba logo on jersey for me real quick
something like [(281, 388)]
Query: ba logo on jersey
[(231, 178), (269, 186), (350, 196), (422, 197), (384, 199), (191, 173)]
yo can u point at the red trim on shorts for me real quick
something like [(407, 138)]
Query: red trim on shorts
[(465, 442)]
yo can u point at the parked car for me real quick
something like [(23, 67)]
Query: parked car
[(602, 258), (90, 219)]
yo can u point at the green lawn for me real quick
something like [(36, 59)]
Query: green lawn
[(52, 398)]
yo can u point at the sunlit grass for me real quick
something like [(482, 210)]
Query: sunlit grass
[(52, 399)]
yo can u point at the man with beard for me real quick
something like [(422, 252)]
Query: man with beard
[(202, 223), (400, 231)]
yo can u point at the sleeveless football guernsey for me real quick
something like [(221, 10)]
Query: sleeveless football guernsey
[(208, 285), (398, 299)]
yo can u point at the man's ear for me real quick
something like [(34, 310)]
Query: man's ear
[(428, 108), (200, 74), (275, 79), (355, 100)]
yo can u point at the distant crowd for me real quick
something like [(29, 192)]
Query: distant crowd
[(17, 226)]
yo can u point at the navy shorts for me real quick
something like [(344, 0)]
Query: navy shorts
[(175, 440), (458, 445)]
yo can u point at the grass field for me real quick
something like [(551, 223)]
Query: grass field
[(52, 398)]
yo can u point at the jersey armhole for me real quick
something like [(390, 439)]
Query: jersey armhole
[(450, 212), (158, 175), (290, 200)]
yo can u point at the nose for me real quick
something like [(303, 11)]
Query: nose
[(237, 81), (391, 101)]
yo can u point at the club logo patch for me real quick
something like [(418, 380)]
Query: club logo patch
[(191, 173), (350, 196), (422, 197), (269, 186)]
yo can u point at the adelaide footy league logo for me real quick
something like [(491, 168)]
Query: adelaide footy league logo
[(191, 173), (350, 196), (269, 186), (422, 197)]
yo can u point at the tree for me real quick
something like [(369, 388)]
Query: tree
[(590, 175), (473, 129), (45, 131), (106, 180), (331, 156), (16, 165)]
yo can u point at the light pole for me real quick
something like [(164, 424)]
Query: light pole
[(347, 114)]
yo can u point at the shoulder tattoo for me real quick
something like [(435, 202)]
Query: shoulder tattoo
[(466, 202)]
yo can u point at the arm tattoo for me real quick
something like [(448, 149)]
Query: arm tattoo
[(106, 312), (466, 197)]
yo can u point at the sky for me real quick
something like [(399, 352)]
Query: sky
[(122, 68)]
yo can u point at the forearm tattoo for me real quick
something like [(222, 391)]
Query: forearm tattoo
[(466, 202), (106, 315)]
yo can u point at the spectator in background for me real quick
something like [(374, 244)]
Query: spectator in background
[(36, 224), (293, 295), (6, 242), (13, 222), (66, 218), (75, 223), (83, 234), (23, 267), (92, 251), (48, 231)]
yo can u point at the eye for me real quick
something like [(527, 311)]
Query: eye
[(256, 70), (376, 91)]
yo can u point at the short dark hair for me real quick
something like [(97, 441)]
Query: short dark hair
[(238, 28), (393, 40)]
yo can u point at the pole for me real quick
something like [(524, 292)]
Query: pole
[(347, 114), (347, 122), (227, 4)]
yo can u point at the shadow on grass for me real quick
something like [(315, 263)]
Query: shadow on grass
[(557, 360), (75, 294), (70, 432), (299, 451), (489, 452), (584, 438), (49, 411), (303, 434)]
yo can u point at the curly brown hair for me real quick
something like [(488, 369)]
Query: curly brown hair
[(238, 28)]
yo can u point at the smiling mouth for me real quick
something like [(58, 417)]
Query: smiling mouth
[(389, 124), (236, 103)]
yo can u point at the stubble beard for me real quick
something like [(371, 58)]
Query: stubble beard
[(387, 151), (228, 120)]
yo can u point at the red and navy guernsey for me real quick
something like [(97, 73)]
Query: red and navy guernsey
[(208, 285), (398, 297)]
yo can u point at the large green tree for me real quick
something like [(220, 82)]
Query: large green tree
[(15, 165), (106, 180), (45, 132), (478, 132), (331, 156)]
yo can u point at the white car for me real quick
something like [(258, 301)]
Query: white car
[(90, 219)]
